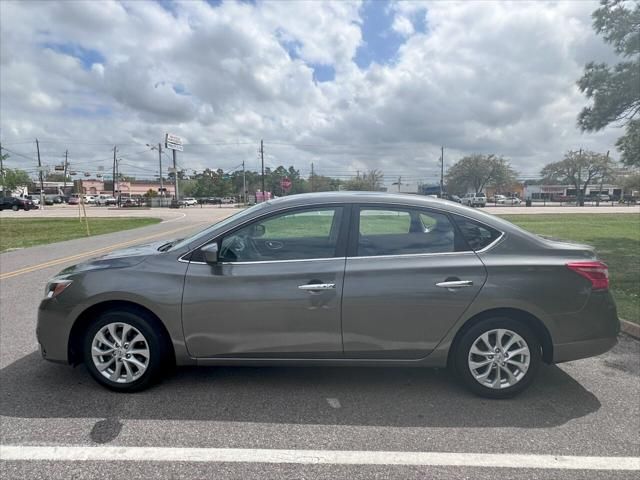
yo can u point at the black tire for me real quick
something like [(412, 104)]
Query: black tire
[(466, 341), (158, 345), (15, 208)]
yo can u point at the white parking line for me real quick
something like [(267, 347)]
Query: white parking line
[(314, 457)]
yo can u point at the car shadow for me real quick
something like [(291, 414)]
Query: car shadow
[(399, 397), (402, 397)]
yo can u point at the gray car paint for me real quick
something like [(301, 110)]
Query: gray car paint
[(521, 272)]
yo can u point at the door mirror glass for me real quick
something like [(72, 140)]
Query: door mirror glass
[(210, 252)]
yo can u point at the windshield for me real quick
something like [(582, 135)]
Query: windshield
[(207, 231)]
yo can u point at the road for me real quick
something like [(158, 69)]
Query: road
[(579, 420)]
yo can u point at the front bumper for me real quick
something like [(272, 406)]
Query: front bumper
[(53, 331)]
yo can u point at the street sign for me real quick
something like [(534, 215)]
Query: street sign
[(59, 168), (285, 183), (173, 142)]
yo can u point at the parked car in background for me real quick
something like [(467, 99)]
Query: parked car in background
[(474, 199), (189, 201), (15, 204), (104, 200), (496, 199), (228, 200), (91, 199), (34, 198), (342, 278), (510, 201), (73, 200)]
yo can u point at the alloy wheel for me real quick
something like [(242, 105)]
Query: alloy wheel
[(120, 352), (499, 358)]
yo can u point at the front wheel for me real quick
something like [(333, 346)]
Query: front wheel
[(15, 208), (498, 357), (123, 351)]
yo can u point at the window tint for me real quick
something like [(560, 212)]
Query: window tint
[(404, 231), (377, 222), (297, 235), (477, 235)]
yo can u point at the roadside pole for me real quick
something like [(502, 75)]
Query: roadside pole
[(173, 143), (244, 185), (40, 173), (160, 162)]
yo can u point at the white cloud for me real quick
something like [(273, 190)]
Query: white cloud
[(473, 76)]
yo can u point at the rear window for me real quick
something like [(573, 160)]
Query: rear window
[(477, 235)]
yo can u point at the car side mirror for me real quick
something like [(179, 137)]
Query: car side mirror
[(210, 253)]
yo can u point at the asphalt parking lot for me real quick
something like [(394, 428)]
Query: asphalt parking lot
[(579, 420)]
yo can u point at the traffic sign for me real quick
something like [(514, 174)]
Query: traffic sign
[(286, 184)]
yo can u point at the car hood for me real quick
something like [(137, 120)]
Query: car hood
[(126, 257)]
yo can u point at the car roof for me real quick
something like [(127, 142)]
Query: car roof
[(319, 198)]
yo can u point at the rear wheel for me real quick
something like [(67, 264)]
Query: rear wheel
[(498, 357), (124, 352)]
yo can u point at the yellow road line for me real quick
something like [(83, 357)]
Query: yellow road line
[(58, 261)]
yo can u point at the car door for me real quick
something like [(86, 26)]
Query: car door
[(409, 277), (275, 291)]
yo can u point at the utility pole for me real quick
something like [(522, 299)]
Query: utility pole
[(312, 178), (1, 163), (40, 173), (399, 183), (160, 162), (113, 187), (579, 192), (175, 173), (118, 176), (262, 160), (64, 179), (244, 185), (441, 171)]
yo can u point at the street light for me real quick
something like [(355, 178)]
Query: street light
[(159, 148)]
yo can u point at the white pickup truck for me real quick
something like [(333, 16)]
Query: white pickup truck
[(474, 200)]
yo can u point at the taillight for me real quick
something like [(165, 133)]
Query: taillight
[(596, 272)]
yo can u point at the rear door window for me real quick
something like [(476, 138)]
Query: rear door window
[(404, 231)]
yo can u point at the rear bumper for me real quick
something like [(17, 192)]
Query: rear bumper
[(566, 352)]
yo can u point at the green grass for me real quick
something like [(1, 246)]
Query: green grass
[(22, 233), (616, 238)]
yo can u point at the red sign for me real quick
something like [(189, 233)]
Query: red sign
[(285, 183)]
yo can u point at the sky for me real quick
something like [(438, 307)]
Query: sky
[(346, 86)]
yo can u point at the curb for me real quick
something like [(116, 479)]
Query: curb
[(631, 329)]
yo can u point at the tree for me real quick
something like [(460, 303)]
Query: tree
[(13, 178), (579, 169), (479, 171), (370, 181), (615, 91)]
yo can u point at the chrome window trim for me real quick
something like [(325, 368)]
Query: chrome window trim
[(334, 204), (414, 255), (293, 260)]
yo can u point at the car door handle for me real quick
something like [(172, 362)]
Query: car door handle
[(311, 287), (455, 284)]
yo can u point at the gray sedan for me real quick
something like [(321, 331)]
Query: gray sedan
[(336, 278)]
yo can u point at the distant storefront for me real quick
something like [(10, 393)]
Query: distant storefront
[(562, 192)]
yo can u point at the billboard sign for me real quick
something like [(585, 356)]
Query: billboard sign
[(173, 142)]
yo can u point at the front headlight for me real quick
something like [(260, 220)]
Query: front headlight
[(55, 287)]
